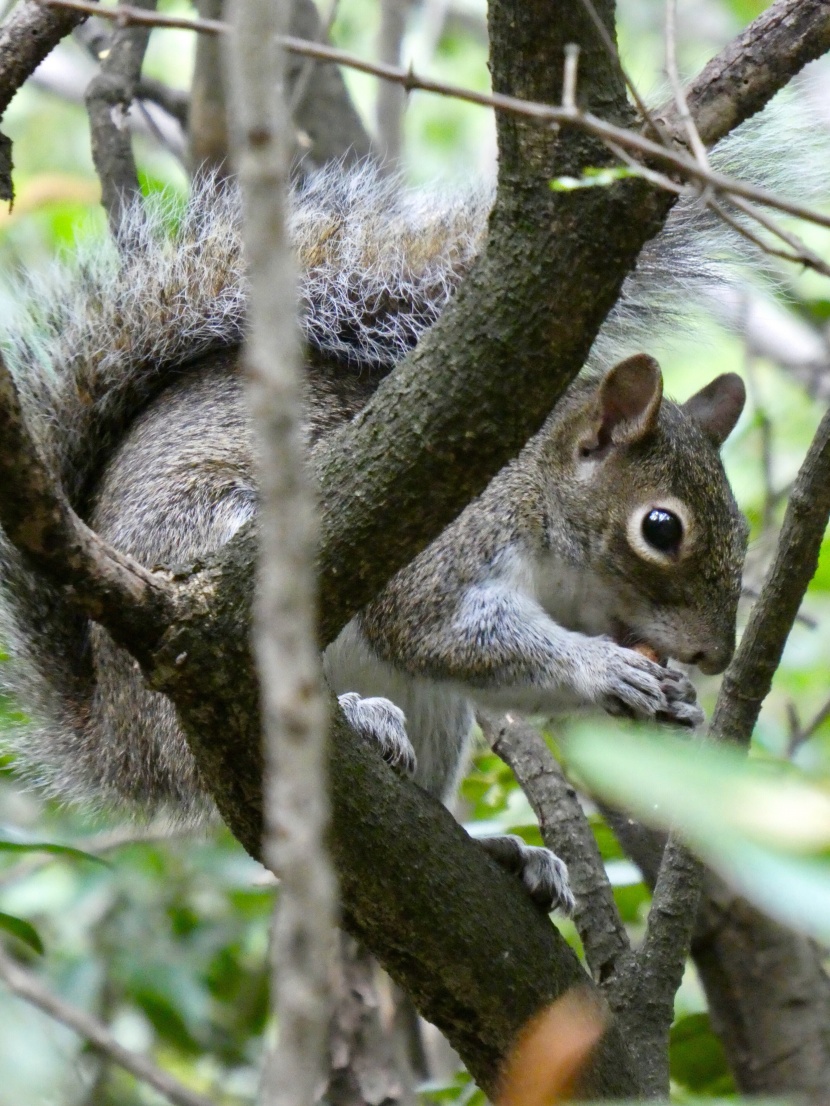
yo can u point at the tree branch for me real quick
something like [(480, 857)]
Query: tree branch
[(104, 584), (565, 830), (108, 100), (748, 679), (294, 704), (27, 35), (736, 84), (27, 986)]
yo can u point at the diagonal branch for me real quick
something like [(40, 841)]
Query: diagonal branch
[(108, 99), (26, 985), (748, 679), (27, 35), (565, 830), (101, 582)]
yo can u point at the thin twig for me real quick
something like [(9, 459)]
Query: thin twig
[(293, 702), (565, 830), (27, 986), (613, 54), (543, 113), (799, 734), (748, 679), (681, 104)]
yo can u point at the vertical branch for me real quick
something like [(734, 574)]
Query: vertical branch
[(207, 123), (391, 100), (291, 692), (108, 101), (748, 678)]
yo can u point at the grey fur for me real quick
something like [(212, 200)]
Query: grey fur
[(126, 368)]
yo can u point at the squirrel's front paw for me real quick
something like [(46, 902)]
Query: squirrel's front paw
[(380, 721), (635, 685), (541, 871)]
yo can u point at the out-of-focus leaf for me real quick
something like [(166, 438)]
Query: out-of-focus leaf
[(23, 931), (15, 841), (766, 832), (696, 1057)]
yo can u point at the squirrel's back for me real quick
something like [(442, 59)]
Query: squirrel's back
[(127, 368)]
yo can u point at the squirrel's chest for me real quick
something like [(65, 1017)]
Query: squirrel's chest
[(574, 597)]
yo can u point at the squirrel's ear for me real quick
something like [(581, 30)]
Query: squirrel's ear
[(717, 407), (628, 403)]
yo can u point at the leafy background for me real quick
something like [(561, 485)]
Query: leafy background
[(166, 941)]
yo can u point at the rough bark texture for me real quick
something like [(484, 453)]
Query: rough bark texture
[(456, 930), (779, 43), (319, 99), (27, 36), (769, 996), (767, 988)]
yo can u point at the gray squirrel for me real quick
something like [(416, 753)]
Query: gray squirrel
[(615, 527)]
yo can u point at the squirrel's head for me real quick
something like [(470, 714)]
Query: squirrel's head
[(651, 512)]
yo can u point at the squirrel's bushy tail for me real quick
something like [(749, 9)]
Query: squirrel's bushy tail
[(93, 342)]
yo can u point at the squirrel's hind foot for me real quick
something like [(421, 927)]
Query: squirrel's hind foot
[(384, 724), (541, 871)]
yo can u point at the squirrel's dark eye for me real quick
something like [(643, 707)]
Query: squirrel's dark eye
[(663, 530)]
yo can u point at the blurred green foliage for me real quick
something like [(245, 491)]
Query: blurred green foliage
[(167, 942)]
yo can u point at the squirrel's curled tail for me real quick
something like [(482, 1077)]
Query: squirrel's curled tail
[(96, 341)]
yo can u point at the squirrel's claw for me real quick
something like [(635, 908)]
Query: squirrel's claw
[(541, 871), (384, 724)]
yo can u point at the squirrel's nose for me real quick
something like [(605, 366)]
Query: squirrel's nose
[(713, 660)]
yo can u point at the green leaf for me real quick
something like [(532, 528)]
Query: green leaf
[(764, 828), (593, 178), (23, 931), (15, 841), (696, 1056)]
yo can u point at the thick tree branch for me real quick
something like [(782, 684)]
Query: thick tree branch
[(768, 994), (27, 35), (454, 929), (484, 378), (106, 585), (736, 84), (569, 115)]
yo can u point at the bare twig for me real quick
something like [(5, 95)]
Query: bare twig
[(291, 686), (749, 677), (108, 100), (27, 986), (564, 829), (798, 733), (391, 101), (684, 116), (207, 134), (543, 113)]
